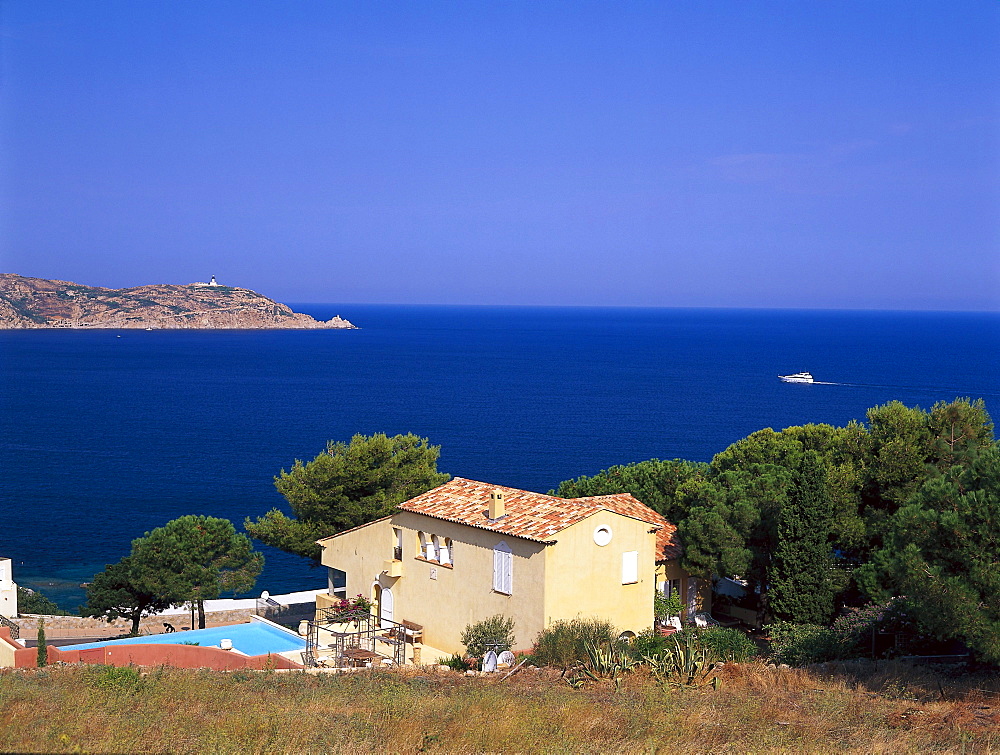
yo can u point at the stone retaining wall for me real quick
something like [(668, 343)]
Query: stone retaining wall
[(77, 626)]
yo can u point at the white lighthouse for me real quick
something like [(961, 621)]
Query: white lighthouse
[(213, 282)]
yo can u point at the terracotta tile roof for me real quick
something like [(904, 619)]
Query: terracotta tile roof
[(534, 516), (668, 543)]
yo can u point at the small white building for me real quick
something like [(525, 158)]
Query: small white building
[(212, 283), (8, 590)]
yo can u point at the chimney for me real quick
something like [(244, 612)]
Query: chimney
[(496, 505)]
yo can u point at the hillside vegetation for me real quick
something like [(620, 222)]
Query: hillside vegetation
[(901, 512), (757, 709)]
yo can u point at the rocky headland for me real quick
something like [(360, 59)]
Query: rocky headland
[(40, 303)]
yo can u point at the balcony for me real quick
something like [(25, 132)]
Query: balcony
[(393, 567)]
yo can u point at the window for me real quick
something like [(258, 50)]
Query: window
[(397, 544), (336, 581), (427, 546), (630, 567), (503, 568), (446, 552), (602, 535)]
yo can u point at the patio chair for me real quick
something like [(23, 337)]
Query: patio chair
[(704, 620)]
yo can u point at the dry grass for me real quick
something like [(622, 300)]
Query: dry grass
[(890, 710)]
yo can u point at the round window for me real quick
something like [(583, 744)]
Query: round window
[(602, 535)]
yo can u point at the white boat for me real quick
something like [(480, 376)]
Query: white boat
[(798, 377)]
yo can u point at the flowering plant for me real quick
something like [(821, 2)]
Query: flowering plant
[(350, 605), (855, 627)]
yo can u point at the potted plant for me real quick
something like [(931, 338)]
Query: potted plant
[(665, 607)]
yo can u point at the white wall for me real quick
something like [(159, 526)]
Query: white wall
[(8, 590)]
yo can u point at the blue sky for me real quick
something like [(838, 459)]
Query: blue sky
[(781, 154)]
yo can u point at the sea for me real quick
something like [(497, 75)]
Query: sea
[(106, 434)]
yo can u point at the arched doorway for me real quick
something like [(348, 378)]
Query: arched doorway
[(382, 604), (385, 616)]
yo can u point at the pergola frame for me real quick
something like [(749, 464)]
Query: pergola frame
[(340, 630)]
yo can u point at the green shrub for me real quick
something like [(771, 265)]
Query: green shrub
[(800, 644), (728, 644), (458, 663), (647, 644), (117, 679), (32, 601), (495, 633), (564, 643)]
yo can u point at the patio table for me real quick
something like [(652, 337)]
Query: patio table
[(360, 656)]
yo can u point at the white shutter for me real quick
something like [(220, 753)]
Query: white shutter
[(497, 569), (386, 605), (503, 568), (630, 567), (508, 572)]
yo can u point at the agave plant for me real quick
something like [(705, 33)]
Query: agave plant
[(686, 664), (603, 663)]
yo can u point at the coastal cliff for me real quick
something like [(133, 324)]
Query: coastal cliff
[(39, 303)]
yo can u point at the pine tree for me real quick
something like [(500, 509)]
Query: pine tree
[(942, 553), (347, 485), (194, 558), (801, 588), (115, 594)]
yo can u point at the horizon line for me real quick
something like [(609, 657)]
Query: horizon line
[(764, 308)]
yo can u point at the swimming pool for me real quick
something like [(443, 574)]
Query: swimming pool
[(255, 638)]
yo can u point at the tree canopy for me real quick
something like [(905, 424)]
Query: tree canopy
[(800, 586), (32, 601), (735, 515), (115, 594), (653, 482), (192, 558), (347, 485), (942, 551)]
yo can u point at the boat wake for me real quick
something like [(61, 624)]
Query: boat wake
[(918, 388)]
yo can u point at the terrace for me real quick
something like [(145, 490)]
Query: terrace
[(339, 638)]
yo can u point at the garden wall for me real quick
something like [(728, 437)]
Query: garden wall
[(12, 655), (178, 656)]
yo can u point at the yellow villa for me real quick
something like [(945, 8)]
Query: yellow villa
[(468, 550)]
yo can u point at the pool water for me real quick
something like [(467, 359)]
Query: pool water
[(255, 638)]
